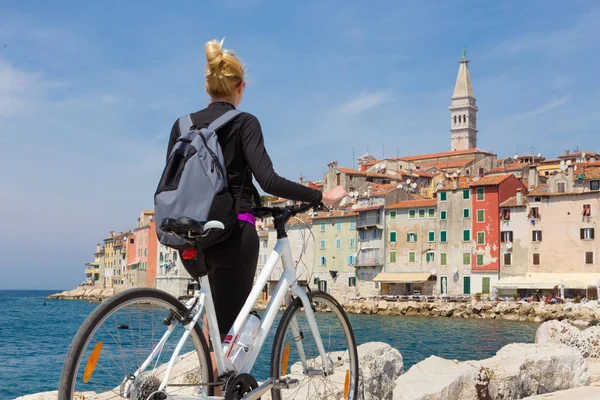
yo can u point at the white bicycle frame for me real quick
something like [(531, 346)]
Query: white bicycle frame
[(286, 286)]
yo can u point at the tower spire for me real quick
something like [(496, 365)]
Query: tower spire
[(463, 109)]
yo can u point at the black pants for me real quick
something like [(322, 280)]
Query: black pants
[(231, 266)]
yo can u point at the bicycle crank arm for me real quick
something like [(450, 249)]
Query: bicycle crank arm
[(259, 391)]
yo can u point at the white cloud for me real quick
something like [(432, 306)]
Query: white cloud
[(552, 105), (362, 103)]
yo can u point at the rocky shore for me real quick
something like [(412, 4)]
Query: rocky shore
[(582, 315), (562, 364), (92, 294)]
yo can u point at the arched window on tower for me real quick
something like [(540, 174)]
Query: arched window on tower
[(464, 118), (455, 120)]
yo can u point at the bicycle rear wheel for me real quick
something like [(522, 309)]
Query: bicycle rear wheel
[(295, 357), (116, 339)]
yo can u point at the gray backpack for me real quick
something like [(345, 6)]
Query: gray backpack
[(194, 183)]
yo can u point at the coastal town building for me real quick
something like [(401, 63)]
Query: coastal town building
[(171, 275), (336, 240), (120, 258), (411, 260)]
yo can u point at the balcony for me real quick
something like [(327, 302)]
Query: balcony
[(369, 261), (368, 221), (92, 271)]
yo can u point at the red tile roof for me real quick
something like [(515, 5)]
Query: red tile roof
[(487, 180), (335, 214), (413, 204), (350, 171), (590, 172), (578, 154), (512, 202), (443, 154), (447, 164), (367, 208), (509, 168)]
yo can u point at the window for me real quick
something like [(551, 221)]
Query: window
[(480, 237), (392, 215), (322, 226), (466, 213), (480, 215), (352, 281), (322, 244), (443, 259), (392, 256), (466, 284), (506, 236), (466, 194), (485, 285), (534, 213), (353, 224), (589, 257), (466, 258), (479, 259), (506, 214), (561, 187), (586, 233), (338, 225), (175, 256), (443, 215), (132, 241), (429, 256), (466, 235), (411, 237), (352, 243), (587, 210), (480, 194), (431, 213), (265, 244), (443, 196), (392, 237), (323, 261), (350, 260), (536, 236), (481, 171), (443, 237), (536, 258), (338, 243), (412, 214), (139, 252), (161, 257), (508, 259), (421, 213), (431, 236), (594, 185), (411, 256)]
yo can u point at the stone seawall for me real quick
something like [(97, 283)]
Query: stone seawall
[(89, 293), (579, 314)]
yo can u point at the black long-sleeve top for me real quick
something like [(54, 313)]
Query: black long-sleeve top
[(244, 152)]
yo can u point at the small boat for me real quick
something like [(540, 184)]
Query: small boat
[(123, 326)]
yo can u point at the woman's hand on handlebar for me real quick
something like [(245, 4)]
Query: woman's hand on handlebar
[(333, 197)]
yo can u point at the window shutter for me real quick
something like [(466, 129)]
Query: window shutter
[(581, 234), (591, 233), (408, 237)]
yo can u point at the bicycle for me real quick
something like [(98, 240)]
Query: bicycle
[(128, 369)]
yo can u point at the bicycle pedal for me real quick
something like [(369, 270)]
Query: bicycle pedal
[(286, 383)]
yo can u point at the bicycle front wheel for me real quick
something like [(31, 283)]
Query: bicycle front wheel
[(106, 356), (295, 361)]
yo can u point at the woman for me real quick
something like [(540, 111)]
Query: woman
[(231, 264)]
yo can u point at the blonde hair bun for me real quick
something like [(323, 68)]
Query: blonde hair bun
[(223, 70)]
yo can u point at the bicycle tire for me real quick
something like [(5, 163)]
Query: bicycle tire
[(98, 316), (290, 312)]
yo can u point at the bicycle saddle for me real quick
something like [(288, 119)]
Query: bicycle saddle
[(185, 225)]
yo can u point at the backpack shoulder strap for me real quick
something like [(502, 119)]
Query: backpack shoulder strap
[(185, 123), (223, 119)]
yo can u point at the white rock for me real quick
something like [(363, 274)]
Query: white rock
[(581, 393), (586, 341), (519, 370), (380, 366), (437, 379)]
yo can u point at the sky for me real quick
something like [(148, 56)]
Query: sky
[(90, 90)]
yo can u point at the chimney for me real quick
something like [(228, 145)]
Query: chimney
[(343, 213), (301, 180), (519, 197), (592, 159), (455, 184), (532, 177), (571, 170), (97, 247), (566, 152), (369, 191)]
